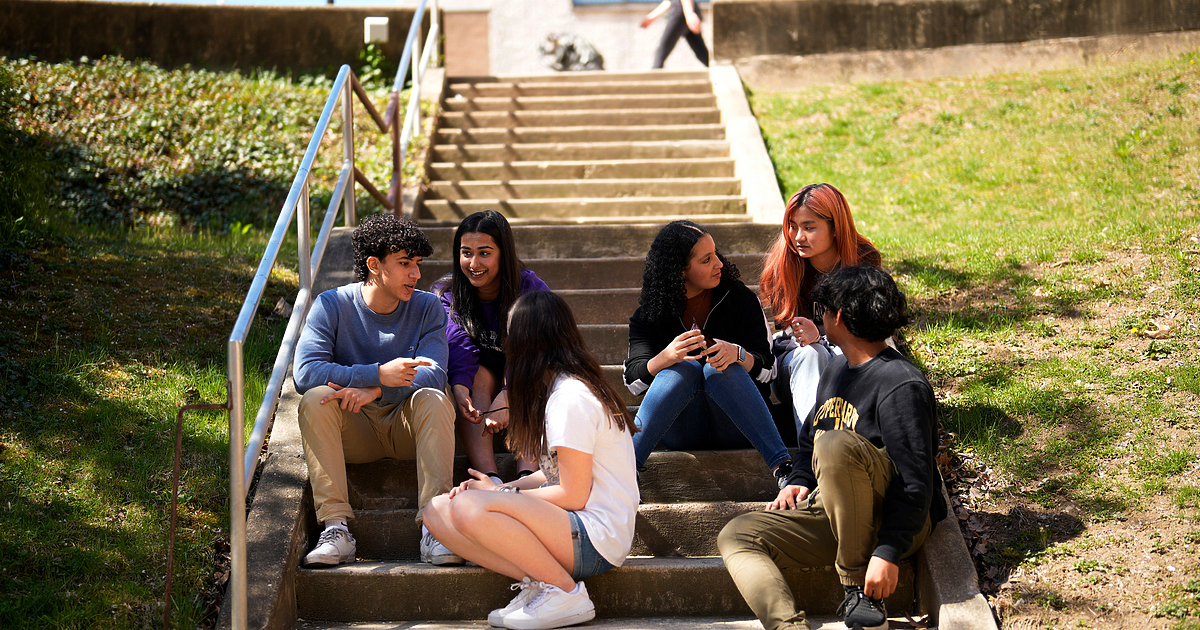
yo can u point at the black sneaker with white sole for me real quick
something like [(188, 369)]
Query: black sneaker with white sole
[(860, 612)]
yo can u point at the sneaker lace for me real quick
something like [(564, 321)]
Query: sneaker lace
[(540, 598), (332, 534)]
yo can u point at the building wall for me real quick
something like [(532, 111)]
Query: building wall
[(518, 27), (202, 35)]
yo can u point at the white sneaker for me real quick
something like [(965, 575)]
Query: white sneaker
[(553, 608), (529, 589), (334, 547), (436, 553)]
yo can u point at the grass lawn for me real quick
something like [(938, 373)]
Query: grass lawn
[(116, 300), (1045, 228)]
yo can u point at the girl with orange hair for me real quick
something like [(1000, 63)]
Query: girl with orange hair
[(818, 236)]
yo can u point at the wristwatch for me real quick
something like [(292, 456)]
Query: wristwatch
[(741, 354), (508, 488)]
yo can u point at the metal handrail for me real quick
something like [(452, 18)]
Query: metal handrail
[(243, 458)]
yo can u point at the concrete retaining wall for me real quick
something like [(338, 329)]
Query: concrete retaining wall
[(746, 28), (206, 36)]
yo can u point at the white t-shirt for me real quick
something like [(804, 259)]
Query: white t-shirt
[(576, 419)]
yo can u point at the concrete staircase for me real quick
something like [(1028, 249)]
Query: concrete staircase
[(584, 147), (587, 167)]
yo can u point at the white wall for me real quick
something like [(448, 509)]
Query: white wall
[(518, 27)]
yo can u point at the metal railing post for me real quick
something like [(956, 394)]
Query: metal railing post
[(348, 150), (237, 486), (416, 81), (303, 253), (434, 62)]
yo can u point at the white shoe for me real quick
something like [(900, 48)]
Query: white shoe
[(436, 553), (334, 547), (553, 608), (529, 589)]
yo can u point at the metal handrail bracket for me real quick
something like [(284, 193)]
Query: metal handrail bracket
[(244, 455)]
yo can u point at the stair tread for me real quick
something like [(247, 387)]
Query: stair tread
[(538, 145), (637, 623)]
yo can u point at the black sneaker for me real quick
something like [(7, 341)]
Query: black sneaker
[(782, 472), (860, 612)]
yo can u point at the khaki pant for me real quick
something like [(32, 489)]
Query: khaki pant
[(837, 524), (422, 428)]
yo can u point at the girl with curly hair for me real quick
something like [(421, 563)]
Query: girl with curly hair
[(699, 349), (818, 236), (572, 519), (477, 295)]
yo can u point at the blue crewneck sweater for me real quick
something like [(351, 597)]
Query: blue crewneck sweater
[(344, 342)]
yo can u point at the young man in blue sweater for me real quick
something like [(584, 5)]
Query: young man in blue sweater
[(371, 366), (865, 491)]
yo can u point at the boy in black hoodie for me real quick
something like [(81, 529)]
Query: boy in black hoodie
[(865, 490)]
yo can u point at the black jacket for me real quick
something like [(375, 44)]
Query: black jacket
[(736, 317), (888, 401)]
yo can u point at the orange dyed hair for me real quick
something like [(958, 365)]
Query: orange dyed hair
[(783, 268)]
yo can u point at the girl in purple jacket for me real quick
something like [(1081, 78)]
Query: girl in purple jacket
[(477, 295)]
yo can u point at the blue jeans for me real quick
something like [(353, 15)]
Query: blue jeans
[(694, 406)]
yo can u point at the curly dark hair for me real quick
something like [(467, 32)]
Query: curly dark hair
[(468, 310), (385, 234), (872, 306), (663, 292)]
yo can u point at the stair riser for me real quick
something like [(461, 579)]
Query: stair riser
[(611, 240), (526, 135), (599, 118), (679, 150), (555, 189), (738, 475), (685, 588), (587, 77), (621, 169), (447, 210), (578, 103), (500, 90), (663, 530)]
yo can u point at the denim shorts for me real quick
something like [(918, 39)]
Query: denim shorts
[(588, 561)]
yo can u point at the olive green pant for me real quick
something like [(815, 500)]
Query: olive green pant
[(421, 428), (836, 525)]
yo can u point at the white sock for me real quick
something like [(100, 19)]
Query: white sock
[(575, 591), (335, 522)]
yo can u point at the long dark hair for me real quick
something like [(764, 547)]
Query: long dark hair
[(663, 290), (468, 309), (543, 341)]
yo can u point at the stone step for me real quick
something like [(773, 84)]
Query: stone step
[(476, 90), (737, 475), (577, 102), (589, 273), (663, 530), (582, 169), (451, 210), (575, 151), (589, 77), (576, 118), (643, 623), (589, 221), (518, 135), (607, 240), (642, 587), (560, 188)]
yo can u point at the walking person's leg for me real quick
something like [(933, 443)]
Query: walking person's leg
[(675, 27), (696, 41)]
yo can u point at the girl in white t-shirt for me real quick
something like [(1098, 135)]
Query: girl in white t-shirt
[(572, 519)]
